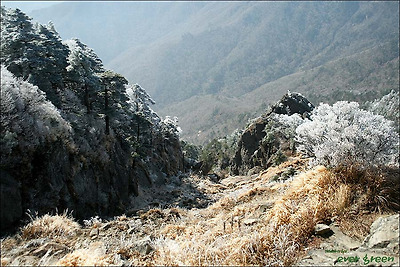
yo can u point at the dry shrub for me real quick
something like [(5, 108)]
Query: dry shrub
[(378, 188), (226, 203), (173, 231), (5, 261), (8, 243), (357, 226), (152, 214), (314, 197), (51, 226)]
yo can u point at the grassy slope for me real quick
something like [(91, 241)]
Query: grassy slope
[(255, 220)]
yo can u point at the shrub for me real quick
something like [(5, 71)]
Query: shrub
[(343, 135), (51, 226)]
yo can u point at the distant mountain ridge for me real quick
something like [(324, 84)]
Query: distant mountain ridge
[(194, 56)]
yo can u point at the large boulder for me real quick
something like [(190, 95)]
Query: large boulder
[(384, 234), (252, 151)]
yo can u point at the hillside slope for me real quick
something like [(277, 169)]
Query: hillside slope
[(363, 76), (187, 53), (257, 43)]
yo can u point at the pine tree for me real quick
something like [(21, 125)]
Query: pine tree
[(115, 98), (50, 63), (83, 72), (140, 102), (34, 53), (17, 41)]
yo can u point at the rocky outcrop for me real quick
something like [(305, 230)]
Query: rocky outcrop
[(253, 149), (57, 177), (380, 247)]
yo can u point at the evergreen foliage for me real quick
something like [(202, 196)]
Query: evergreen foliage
[(28, 120), (84, 68), (34, 52)]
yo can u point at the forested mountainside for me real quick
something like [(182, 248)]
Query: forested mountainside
[(74, 135), (205, 55)]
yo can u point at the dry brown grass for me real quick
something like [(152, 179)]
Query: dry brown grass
[(357, 226), (219, 236), (378, 188), (51, 226), (375, 192), (95, 255)]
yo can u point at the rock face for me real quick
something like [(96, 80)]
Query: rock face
[(54, 177), (252, 150), (292, 103)]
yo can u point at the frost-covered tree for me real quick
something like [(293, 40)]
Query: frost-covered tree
[(34, 53), (170, 125), (389, 107), (27, 118), (17, 41), (345, 135), (282, 126), (84, 68), (140, 102), (50, 62)]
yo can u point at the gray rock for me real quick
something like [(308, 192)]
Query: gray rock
[(265, 207), (94, 233), (42, 250), (384, 233), (322, 229), (144, 246), (382, 242)]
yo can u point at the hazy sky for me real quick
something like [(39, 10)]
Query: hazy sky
[(28, 6)]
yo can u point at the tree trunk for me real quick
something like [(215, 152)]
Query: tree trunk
[(87, 101), (138, 131), (106, 108)]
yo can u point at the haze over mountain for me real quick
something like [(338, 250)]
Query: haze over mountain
[(28, 6), (217, 64)]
